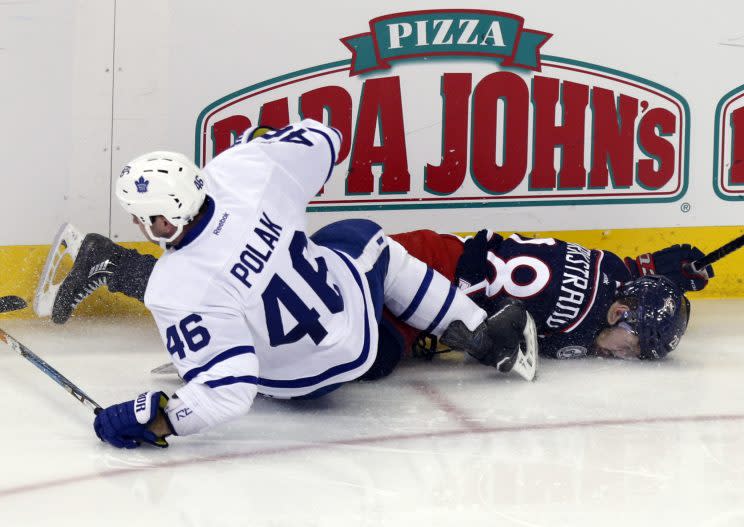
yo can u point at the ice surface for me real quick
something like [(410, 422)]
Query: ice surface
[(591, 442)]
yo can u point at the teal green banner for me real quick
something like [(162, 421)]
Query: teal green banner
[(490, 34)]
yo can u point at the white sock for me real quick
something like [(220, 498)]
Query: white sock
[(421, 297)]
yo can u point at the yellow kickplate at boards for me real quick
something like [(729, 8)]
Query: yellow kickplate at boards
[(20, 265)]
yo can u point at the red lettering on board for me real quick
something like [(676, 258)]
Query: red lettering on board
[(492, 177), (226, 130), (569, 136), (274, 114), (613, 139), (737, 153), (337, 102), (448, 176), (654, 125), (380, 105)]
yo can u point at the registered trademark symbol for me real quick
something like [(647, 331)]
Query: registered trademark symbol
[(685, 207)]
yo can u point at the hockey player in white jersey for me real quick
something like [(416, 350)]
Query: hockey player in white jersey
[(247, 303)]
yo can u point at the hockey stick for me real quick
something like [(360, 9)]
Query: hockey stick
[(11, 303), (699, 265), (49, 371)]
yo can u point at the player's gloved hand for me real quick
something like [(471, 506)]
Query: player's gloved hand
[(125, 425), (673, 262)]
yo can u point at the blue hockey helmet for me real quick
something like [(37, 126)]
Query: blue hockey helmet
[(658, 314)]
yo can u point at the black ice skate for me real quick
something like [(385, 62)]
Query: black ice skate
[(507, 340), (94, 264)]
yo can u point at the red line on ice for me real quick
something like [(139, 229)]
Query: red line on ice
[(44, 485)]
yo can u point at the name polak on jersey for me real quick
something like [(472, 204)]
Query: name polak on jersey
[(574, 286), (257, 253)]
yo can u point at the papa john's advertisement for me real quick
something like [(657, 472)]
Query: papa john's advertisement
[(461, 108)]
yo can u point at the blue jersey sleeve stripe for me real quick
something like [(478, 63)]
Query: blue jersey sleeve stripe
[(232, 352), (419, 296), (443, 311), (337, 133), (333, 150), (226, 381)]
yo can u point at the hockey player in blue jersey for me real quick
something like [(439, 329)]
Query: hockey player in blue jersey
[(584, 301), (246, 302)]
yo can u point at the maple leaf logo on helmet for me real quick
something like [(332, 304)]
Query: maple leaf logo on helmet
[(142, 184)]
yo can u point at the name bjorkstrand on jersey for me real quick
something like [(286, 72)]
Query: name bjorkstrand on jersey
[(574, 286), (257, 253)]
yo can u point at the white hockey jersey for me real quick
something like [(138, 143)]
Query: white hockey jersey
[(248, 303)]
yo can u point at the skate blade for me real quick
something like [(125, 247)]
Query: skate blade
[(528, 358), (66, 242)]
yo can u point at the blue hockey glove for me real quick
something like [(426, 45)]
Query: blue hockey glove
[(125, 425), (672, 262)]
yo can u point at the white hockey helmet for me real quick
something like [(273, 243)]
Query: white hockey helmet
[(161, 184)]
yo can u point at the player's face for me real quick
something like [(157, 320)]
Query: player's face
[(618, 340)]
